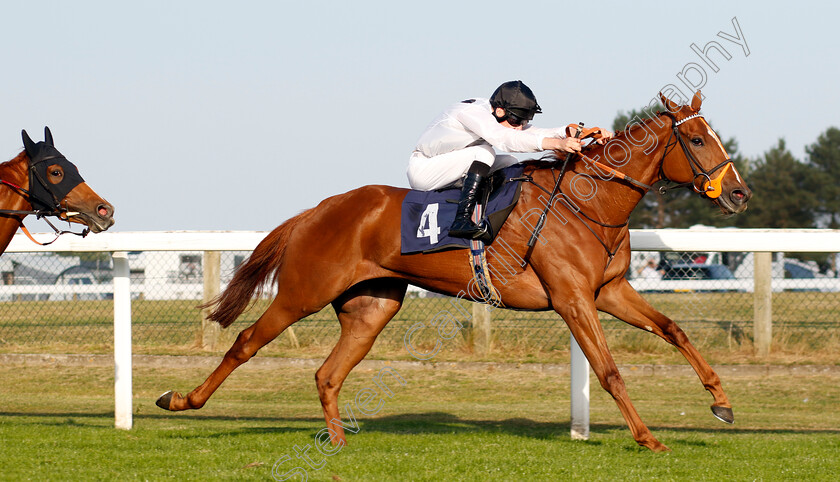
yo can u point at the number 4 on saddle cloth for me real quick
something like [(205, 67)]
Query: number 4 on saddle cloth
[(427, 215)]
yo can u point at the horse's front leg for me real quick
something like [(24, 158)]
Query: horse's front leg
[(619, 299), (578, 310)]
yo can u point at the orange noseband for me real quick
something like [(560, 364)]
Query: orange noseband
[(711, 187)]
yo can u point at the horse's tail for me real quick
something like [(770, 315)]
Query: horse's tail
[(251, 276)]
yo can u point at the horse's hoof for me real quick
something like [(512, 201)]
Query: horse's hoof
[(655, 446), (164, 400), (660, 448), (723, 414)]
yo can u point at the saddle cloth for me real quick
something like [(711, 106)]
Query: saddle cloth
[(427, 215)]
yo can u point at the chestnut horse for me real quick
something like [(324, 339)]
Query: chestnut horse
[(346, 251), (41, 181)]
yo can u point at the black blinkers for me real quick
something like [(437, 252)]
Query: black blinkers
[(44, 195)]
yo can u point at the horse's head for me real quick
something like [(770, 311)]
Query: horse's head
[(702, 162), (56, 187)]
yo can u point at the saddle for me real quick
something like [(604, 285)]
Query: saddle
[(427, 215)]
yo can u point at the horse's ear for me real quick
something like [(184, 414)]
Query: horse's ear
[(668, 103), (696, 102), (48, 136), (28, 145)]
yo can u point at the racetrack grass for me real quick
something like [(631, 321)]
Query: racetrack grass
[(57, 424)]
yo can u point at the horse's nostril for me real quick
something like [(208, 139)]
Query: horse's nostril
[(738, 196), (105, 210)]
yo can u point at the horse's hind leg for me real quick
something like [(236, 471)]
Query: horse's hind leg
[(625, 303), (250, 340), (363, 312)]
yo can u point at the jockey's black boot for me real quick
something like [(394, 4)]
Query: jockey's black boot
[(463, 225)]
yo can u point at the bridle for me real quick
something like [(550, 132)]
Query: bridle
[(55, 207), (710, 187)]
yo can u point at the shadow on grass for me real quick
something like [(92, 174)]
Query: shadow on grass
[(442, 422), (104, 420), (162, 416), (399, 424)]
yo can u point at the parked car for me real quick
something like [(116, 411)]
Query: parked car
[(797, 271), (78, 276)]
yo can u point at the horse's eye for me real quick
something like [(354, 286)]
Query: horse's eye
[(55, 174), (697, 141)]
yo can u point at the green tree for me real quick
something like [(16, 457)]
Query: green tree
[(824, 159), (783, 196)]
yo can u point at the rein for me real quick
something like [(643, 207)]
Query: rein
[(580, 215), (618, 174), (553, 194), (57, 210)]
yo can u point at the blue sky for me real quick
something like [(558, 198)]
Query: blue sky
[(205, 115)]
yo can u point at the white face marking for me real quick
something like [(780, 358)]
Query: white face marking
[(715, 137), (737, 176)]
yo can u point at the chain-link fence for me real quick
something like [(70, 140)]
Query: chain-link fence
[(63, 303)]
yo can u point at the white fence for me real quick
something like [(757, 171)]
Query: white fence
[(759, 241)]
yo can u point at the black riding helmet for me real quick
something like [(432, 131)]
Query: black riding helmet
[(516, 98)]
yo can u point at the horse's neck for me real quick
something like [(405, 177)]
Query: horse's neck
[(14, 172), (615, 199)]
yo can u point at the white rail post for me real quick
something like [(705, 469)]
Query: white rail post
[(122, 342), (580, 392)]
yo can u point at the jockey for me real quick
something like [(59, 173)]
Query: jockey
[(462, 141)]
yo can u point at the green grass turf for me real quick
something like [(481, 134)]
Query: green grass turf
[(57, 424)]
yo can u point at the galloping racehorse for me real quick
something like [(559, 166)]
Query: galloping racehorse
[(41, 181), (346, 251)]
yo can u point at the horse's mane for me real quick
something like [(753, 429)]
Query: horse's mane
[(646, 121), (17, 157), (19, 162)]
